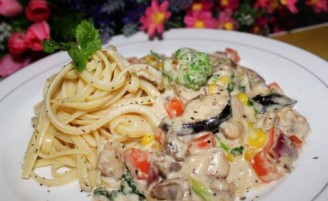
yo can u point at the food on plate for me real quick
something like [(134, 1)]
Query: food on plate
[(189, 126)]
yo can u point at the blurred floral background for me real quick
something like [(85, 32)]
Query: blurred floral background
[(25, 24)]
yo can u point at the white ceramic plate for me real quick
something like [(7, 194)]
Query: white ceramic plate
[(302, 76)]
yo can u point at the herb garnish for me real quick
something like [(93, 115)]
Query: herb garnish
[(88, 41)]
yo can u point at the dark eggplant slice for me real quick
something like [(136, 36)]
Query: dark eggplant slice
[(272, 101), (210, 124), (204, 113)]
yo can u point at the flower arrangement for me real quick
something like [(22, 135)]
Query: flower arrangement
[(25, 24)]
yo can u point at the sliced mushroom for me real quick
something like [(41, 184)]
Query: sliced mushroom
[(231, 129), (174, 147), (165, 167), (110, 162), (171, 190)]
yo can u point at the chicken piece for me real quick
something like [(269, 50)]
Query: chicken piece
[(110, 162), (218, 165)]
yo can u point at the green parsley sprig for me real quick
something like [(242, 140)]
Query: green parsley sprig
[(87, 42)]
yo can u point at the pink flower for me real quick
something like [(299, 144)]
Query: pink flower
[(16, 43), (10, 8), (260, 25), (37, 10), (153, 20), (226, 21), (290, 5), (10, 64), (201, 19), (318, 5), (201, 6), (36, 34), (268, 5), (229, 4)]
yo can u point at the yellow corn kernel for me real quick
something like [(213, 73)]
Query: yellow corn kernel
[(242, 97), (257, 138), (146, 139), (250, 124), (250, 153), (212, 89), (229, 157), (223, 80)]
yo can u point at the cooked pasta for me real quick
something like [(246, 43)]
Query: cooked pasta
[(111, 99)]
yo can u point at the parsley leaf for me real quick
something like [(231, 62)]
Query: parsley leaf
[(79, 57), (88, 37), (88, 42), (50, 46)]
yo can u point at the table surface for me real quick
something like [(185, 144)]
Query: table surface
[(313, 39)]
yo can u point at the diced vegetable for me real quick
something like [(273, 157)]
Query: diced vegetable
[(137, 162), (212, 89), (284, 150), (201, 190), (201, 143), (229, 157), (257, 138), (222, 145), (110, 195), (188, 67), (280, 145), (237, 151), (223, 81), (160, 137), (264, 169), (174, 107), (250, 153), (127, 177), (147, 139), (127, 187), (275, 88), (243, 98), (296, 141), (272, 136), (233, 54)]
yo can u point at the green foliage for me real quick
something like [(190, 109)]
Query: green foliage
[(88, 41), (237, 151), (200, 189)]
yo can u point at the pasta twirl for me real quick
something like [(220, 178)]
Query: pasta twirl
[(111, 99)]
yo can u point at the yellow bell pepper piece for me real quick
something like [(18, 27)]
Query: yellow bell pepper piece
[(257, 138), (146, 139)]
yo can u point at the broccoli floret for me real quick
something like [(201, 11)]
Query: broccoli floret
[(188, 67)]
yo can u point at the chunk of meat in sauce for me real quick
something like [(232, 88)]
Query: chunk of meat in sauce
[(110, 162), (218, 165)]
